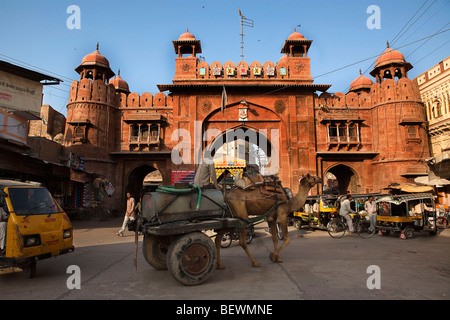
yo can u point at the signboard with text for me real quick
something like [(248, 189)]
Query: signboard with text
[(20, 94), (182, 176)]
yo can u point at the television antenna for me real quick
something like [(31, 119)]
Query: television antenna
[(244, 23)]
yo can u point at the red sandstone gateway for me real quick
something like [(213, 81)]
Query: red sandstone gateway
[(368, 137)]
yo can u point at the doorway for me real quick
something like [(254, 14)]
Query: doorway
[(345, 180)]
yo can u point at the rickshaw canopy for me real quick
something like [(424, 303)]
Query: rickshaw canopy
[(405, 198)]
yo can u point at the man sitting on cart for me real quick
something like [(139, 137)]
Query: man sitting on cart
[(206, 173)]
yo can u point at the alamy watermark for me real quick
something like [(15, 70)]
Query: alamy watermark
[(374, 280), (182, 151), (374, 20), (74, 20), (74, 280)]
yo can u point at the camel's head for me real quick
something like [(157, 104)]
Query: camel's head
[(309, 180)]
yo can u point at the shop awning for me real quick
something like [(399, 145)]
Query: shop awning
[(410, 187), (432, 182)]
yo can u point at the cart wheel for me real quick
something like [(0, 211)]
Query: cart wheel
[(191, 258), (155, 251), (408, 232)]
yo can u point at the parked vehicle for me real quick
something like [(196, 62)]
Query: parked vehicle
[(320, 210), (406, 214), (36, 226), (317, 212)]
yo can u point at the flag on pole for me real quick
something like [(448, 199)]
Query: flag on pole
[(224, 100)]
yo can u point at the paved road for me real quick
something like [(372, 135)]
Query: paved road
[(315, 267)]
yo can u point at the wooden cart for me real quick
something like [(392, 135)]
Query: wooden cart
[(174, 222)]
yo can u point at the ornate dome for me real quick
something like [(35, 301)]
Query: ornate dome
[(186, 36), (389, 56), (119, 83), (95, 58), (296, 36), (360, 82)]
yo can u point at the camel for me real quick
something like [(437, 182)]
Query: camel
[(249, 202)]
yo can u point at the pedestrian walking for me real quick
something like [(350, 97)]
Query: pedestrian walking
[(129, 214)]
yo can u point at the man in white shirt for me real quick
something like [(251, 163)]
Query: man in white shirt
[(129, 214), (345, 212), (371, 209), (206, 173)]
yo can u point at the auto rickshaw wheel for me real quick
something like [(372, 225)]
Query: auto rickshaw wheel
[(191, 258), (155, 251), (408, 232)]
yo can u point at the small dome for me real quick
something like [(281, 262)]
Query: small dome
[(119, 83), (360, 82), (186, 36), (296, 36), (95, 58), (389, 56)]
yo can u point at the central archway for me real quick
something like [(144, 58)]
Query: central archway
[(245, 143), (138, 175), (347, 179)]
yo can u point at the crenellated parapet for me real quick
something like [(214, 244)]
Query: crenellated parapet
[(146, 100), (290, 68)]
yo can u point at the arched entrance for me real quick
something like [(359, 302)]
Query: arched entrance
[(245, 143), (138, 175), (259, 131), (346, 179)]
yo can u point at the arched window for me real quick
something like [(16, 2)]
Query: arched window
[(89, 74), (99, 76), (437, 110), (398, 73)]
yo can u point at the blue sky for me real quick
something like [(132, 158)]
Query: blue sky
[(136, 36)]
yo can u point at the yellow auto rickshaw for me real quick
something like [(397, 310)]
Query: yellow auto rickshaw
[(33, 227), (406, 214), (316, 212)]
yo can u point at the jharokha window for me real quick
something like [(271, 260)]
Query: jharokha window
[(344, 133), (145, 133), (79, 131)]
